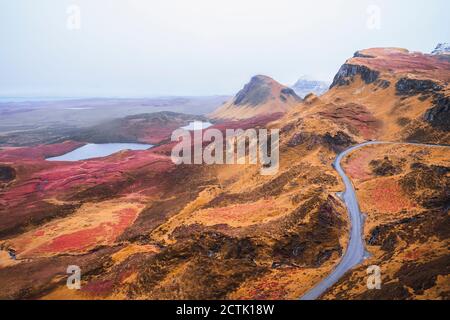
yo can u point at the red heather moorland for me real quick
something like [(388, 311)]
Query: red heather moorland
[(39, 181)]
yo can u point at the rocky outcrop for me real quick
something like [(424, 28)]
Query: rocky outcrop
[(385, 167), (359, 54), (411, 87), (310, 140), (348, 72), (439, 115), (338, 142), (383, 84), (7, 174)]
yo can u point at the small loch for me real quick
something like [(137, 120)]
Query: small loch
[(93, 150)]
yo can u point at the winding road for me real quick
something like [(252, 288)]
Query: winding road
[(356, 251)]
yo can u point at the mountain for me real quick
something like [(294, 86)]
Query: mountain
[(407, 93), (442, 48), (304, 86), (261, 96)]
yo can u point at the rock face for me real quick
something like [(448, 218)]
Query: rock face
[(305, 86), (410, 87), (442, 48), (261, 96), (348, 72), (439, 115), (7, 174), (359, 54)]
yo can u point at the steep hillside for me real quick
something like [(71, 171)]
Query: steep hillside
[(261, 96)]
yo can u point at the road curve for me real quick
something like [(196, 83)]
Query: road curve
[(356, 251)]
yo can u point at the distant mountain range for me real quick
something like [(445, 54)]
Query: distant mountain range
[(442, 48), (305, 85)]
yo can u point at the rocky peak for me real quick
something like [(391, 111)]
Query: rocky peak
[(255, 92), (262, 96), (442, 48), (304, 86), (260, 89)]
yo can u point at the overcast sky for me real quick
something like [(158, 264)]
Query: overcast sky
[(197, 47)]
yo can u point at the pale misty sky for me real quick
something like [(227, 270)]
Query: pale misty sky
[(197, 47)]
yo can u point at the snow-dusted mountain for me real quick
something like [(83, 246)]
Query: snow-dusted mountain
[(305, 85), (442, 48)]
